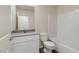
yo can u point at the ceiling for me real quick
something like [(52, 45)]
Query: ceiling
[(26, 7)]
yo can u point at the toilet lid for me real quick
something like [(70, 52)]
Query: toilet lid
[(49, 43)]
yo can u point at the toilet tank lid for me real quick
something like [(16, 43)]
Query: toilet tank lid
[(43, 33), (52, 38)]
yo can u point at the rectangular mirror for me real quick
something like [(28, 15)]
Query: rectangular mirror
[(24, 18)]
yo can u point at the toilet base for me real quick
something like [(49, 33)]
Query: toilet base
[(46, 50)]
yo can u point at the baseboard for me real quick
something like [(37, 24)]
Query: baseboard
[(62, 48), (4, 43)]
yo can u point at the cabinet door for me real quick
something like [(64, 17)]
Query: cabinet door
[(27, 44)]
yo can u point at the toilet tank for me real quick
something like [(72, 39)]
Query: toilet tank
[(52, 38), (44, 36)]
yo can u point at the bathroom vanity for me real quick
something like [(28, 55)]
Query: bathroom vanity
[(25, 43)]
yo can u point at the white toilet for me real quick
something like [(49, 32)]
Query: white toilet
[(48, 45)]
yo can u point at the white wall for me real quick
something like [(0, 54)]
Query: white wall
[(30, 14), (4, 20), (42, 13), (5, 27), (13, 17), (68, 28), (52, 23)]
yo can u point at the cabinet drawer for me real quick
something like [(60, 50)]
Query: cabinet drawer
[(24, 38)]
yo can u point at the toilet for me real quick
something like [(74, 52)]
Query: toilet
[(47, 44)]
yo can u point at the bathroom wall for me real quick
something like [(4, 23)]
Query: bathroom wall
[(13, 17), (52, 23), (4, 20), (30, 14), (5, 27), (42, 13), (68, 29)]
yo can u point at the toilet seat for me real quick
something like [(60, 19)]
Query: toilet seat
[(49, 44)]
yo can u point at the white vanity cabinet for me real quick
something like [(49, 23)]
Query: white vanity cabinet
[(25, 44)]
